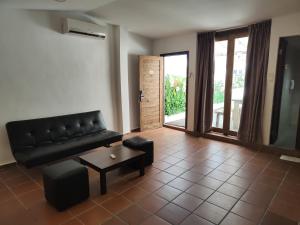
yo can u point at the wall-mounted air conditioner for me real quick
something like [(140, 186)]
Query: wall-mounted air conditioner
[(83, 28)]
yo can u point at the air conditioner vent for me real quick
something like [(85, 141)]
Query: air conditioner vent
[(83, 28)]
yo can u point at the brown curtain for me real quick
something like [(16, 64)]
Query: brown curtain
[(204, 82), (250, 130)]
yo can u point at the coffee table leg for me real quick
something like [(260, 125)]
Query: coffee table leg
[(103, 182), (142, 166)]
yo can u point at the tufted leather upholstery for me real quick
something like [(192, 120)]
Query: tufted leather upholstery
[(37, 141)]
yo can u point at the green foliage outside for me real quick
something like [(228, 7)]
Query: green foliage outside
[(175, 95), (238, 81), (219, 87), (218, 92)]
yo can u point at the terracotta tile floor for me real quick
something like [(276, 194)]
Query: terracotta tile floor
[(193, 181)]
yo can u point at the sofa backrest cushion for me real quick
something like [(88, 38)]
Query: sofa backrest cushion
[(28, 134)]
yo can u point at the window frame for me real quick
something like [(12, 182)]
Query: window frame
[(230, 36)]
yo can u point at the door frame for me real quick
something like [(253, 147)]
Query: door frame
[(279, 77), (187, 53)]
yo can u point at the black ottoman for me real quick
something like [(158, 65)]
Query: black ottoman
[(65, 184), (142, 144)]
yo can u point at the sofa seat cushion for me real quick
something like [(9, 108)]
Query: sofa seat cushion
[(46, 153)]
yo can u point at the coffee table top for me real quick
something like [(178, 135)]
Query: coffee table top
[(101, 160)]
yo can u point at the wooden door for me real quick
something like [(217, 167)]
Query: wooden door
[(151, 92)]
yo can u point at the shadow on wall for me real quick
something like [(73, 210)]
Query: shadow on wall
[(53, 22), (133, 81), (115, 82), (141, 44)]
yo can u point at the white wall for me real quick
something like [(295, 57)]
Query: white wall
[(283, 26), (122, 78), (137, 45), (129, 47), (45, 73), (186, 42)]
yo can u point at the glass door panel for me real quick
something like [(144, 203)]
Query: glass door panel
[(219, 83), (238, 81)]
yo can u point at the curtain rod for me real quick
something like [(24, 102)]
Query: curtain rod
[(239, 27), (223, 30), (231, 28)]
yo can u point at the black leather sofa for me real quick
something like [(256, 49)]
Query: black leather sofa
[(38, 141)]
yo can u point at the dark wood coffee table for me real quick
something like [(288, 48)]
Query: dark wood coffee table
[(101, 161)]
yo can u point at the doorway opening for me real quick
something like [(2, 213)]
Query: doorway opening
[(175, 89), (285, 127)]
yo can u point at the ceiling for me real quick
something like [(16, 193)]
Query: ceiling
[(76, 5), (161, 18)]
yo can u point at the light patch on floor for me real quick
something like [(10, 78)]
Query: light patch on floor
[(290, 158)]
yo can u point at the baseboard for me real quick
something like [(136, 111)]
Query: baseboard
[(223, 138), (279, 151), (136, 130), (192, 133), (8, 163), (174, 127)]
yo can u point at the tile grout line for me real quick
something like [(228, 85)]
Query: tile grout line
[(14, 194), (204, 200), (275, 195), (260, 221), (112, 213), (132, 203), (164, 184), (27, 175), (229, 211)]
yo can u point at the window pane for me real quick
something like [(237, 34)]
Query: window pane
[(219, 83), (238, 81)]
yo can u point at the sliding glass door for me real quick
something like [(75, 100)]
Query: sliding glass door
[(229, 80)]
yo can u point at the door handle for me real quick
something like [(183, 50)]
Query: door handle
[(141, 96)]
